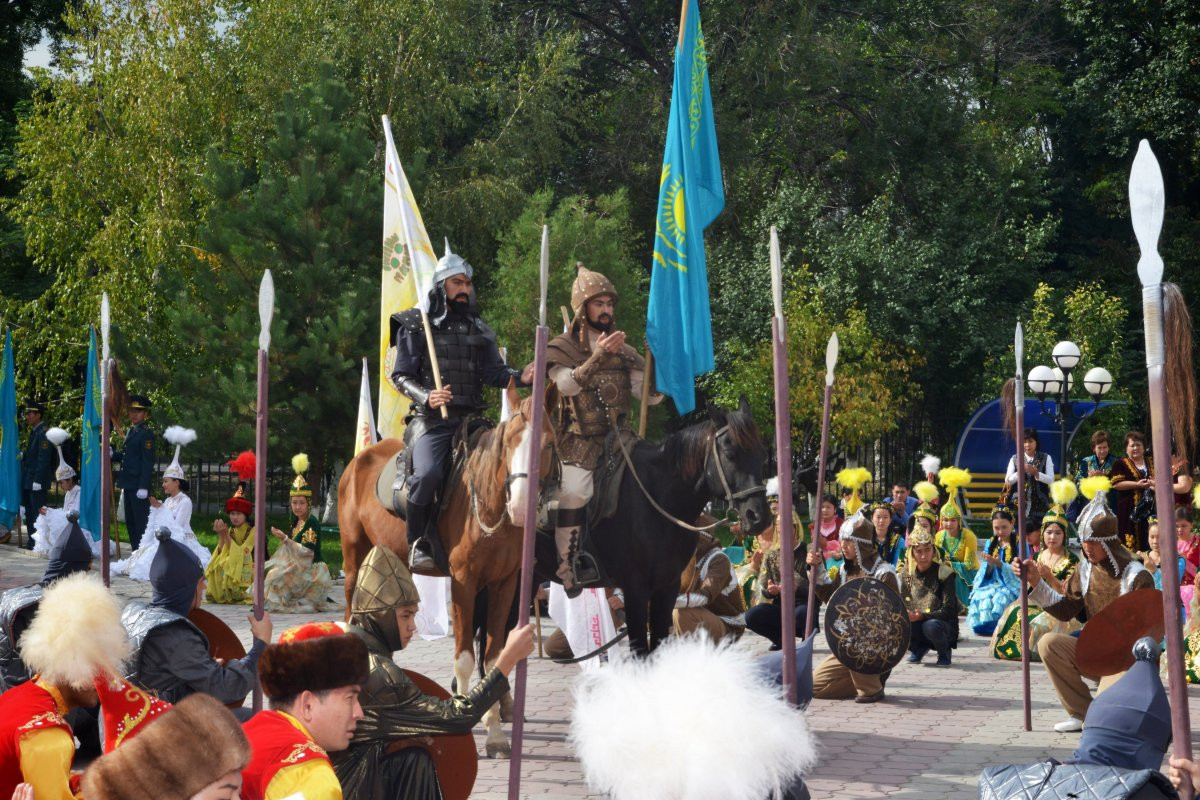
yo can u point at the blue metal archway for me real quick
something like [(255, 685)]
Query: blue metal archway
[(985, 446)]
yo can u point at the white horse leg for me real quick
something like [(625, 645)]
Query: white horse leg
[(464, 666), (497, 743)]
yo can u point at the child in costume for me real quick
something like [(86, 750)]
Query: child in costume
[(956, 543), (231, 570), (995, 586), (297, 580), (173, 514), (51, 522)]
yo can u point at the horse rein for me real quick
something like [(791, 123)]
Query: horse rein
[(730, 495), (509, 477)]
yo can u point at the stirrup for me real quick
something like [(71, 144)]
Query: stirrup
[(586, 570), (419, 555)]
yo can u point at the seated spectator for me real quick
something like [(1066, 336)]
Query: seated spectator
[(889, 534), (903, 503), (1039, 474), (766, 617), (825, 530), (711, 599), (1033, 536), (995, 583), (927, 586), (1100, 462)]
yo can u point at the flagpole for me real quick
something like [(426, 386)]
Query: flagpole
[(1146, 203), (647, 379), (1019, 463), (536, 417), (783, 460), (266, 309), (831, 356), (105, 435)]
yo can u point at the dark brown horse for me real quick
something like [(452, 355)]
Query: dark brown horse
[(481, 528)]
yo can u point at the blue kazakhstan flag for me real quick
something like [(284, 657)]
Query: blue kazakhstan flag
[(10, 445), (90, 478), (690, 196)]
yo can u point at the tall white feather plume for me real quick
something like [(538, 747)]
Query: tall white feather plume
[(668, 727), (57, 436), (179, 435), (930, 465)]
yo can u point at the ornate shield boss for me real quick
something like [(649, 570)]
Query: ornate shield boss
[(867, 626)]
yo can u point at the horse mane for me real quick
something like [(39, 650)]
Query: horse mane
[(689, 447), (481, 464)]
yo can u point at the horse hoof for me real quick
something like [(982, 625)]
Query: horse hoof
[(499, 750)]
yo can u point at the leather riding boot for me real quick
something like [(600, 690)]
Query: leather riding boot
[(565, 539), (420, 553)]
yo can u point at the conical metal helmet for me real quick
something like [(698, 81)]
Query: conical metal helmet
[(589, 284), (451, 264), (384, 583)]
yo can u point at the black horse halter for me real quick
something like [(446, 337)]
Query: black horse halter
[(509, 477), (730, 495)]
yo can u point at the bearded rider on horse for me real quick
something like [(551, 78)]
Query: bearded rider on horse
[(468, 358), (597, 374)]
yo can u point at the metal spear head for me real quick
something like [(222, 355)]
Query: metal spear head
[(266, 309), (1019, 350), (831, 355), (776, 274), (105, 321), (544, 276), (1146, 209)]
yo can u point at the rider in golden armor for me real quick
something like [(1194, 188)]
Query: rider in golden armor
[(597, 374)]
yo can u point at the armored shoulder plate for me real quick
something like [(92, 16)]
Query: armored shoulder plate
[(142, 619), (13, 671), (1130, 575)]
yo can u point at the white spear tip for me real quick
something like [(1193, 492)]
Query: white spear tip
[(831, 357)]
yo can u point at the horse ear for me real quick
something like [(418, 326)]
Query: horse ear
[(510, 391), (716, 414), (744, 405)]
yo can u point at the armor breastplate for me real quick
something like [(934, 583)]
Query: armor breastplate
[(459, 345), (13, 671), (605, 400), (140, 620)]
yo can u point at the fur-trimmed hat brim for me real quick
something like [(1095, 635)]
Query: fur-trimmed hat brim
[(151, 765), (313, 665)]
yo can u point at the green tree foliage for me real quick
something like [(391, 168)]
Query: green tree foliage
[(303, 214)]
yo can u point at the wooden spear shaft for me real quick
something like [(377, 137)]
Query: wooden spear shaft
[(818, 546), (1024, 550), (266, 309), (787, 533)]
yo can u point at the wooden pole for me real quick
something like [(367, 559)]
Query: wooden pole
[(106, 500), (433, 359), (266, 309), (525, 591), (1146, 203), (647, 379), (1019, 462), (831, 354)]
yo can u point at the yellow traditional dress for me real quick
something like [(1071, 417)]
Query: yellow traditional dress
[(231, 570), (962, 554)]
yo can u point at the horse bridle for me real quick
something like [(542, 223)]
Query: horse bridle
[(509, 477), (730, 495)]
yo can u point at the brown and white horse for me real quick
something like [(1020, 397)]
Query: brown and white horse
[(481, 528)]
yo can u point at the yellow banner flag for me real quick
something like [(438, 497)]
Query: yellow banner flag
[(408, 267)]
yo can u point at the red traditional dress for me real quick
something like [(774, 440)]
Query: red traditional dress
[(1190, 550), (286, 761), (36, 743)]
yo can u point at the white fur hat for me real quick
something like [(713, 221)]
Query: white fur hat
[(773, 486), (76, 634), (178, 436)]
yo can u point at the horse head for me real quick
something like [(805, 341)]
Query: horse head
[(517, 443), (735, 470)]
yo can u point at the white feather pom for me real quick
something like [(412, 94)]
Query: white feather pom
[(179, 435), (57, 436), (930, 465), (668, 727)]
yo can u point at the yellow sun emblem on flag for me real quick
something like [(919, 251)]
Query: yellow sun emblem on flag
[(671, 227)]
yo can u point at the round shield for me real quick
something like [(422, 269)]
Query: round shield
[(867, 627), (1106, 643)]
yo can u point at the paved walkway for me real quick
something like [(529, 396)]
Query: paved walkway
[(932, 737)]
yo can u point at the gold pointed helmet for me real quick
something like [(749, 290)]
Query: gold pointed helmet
[(589, 284), (384, 583)]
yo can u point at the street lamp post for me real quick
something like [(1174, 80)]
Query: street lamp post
[(1057, 383)]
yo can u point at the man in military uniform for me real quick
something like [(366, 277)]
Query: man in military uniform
[(597, 374), (383, 615), (468, 358), (137, 469), (37, 468)]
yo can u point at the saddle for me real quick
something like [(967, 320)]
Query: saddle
[(391, 487)]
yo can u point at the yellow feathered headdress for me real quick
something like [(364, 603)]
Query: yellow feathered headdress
[(300, 487), (1062, 492), (953, 479), (854, 478), (927, 493), (1094, 485)]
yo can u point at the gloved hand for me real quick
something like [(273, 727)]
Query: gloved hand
[(143, 494), (37, 487), (691, 600)]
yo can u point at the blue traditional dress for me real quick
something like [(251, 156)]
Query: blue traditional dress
[(995, 587), (962, 554)]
